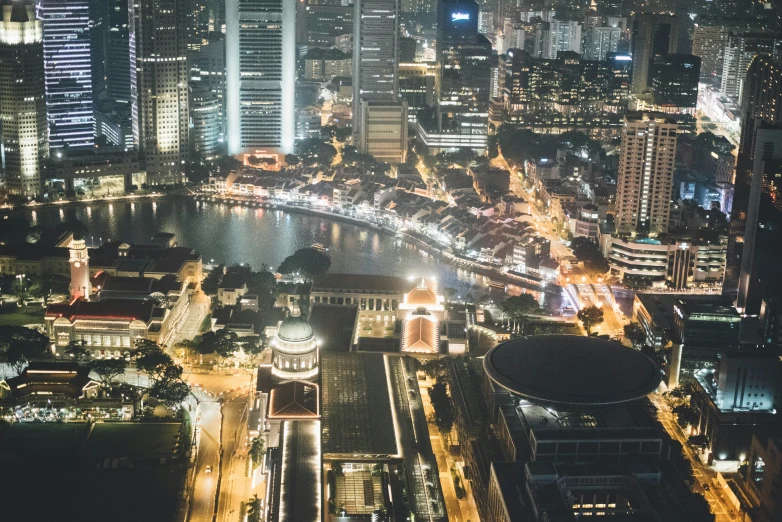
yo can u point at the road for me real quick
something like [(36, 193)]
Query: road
[(208, 437), (703, 474), (235, 485)]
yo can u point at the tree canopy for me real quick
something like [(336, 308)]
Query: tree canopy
[(590, 316), (109, 369), (518, 307), (313, 150), (19, 345), (636, 334), (306, 261)]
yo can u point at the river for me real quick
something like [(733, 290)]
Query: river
[(224, 233)]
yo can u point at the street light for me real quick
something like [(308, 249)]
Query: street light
[(21, 277)]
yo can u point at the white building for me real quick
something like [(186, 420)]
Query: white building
[(645, 178), (383, 130), (599, 41), (260, 65)]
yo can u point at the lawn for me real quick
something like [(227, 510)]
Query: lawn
[(12, 315)]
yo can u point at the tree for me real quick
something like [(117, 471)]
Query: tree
[(292, 160), (18, 345), (443, 407), (590, 316), (223, 343), (253, 345), (212, 281), (517, 308), (154, 363), (597, 266), (685, 415), (314, 150), (196, 172), (46, 286), (636, 334), (306, 261), (77, 350), (170, 392), (109, 369), (257, 450), (254, 160), (254, 511), (584, 248)]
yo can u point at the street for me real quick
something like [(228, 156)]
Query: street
[(202, 501), (703, 474)]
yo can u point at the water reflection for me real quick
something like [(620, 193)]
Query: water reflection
[(230, 234)]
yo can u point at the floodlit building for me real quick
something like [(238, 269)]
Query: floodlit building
[(68, 71), (294, 349), (260, 52), (159, 90), (25, 136), (645, 178)]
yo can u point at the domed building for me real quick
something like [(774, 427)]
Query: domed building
[(294, 349)]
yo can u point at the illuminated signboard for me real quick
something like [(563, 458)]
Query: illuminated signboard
[(456, 17)]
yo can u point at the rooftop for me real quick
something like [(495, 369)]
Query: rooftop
[(570, 370), (360, 283), (294, 400), (69, 379)]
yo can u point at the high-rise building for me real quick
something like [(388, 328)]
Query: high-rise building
[(158, 79), (68, 71), (260, 63), (709, 37), (99, 16), (118, 52), (376, 73), (759, 159), (206, 110), (673, 79), (599, 41), (653, 34), (25, 138), (198, 25), (645, 179), (416, 86), (740, 49), (563, 36), (376, 51), (325, 22)]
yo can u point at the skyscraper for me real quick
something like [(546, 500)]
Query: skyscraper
[(673, 79), (25, 142), (653, 35), (158, 79), (564, 36), (206, 110), (645, 180), (375, 54), (118, 52), (260, 55), (599, 41), (68, 71), (740, 49), (760, 156)]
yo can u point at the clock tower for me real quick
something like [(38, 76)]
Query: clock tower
[(80, 269)]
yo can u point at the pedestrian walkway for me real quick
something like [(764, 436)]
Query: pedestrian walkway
[(196, 313)]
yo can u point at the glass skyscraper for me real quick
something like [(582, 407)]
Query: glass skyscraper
[(68, 72)]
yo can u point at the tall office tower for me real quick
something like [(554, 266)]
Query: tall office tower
[(206, 111), (158, 79), (118, 52), (708, 42), (599, 41), (376, 77), (740, 49), (759, 160), (68, 70), (375, 52), (216, 16), (197, 24), (99, 15), (416, 86), (208, 66), (260, 65), (653, 34), (564, 36), (463, 86), (325, 22), (673, 79), (645, 180), (25, 137)]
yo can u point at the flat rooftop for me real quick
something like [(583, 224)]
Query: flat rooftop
[(571, 371), (334, 326), (356, 407), (300, 474), (361, 283)]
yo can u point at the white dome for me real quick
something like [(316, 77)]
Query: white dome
[(295, 329)]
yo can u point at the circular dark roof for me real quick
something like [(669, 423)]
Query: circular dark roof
[(570, 370)]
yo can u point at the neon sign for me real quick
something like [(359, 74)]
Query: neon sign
[(456, 17)]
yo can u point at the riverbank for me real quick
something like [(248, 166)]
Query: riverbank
[(86, 202), (409, 237)]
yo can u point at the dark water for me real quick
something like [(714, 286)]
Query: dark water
[(232, 234)]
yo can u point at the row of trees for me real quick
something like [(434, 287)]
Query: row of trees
[(37, 286), (517, 308), (223, 343), (588, 252)]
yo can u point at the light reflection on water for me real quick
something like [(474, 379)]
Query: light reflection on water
[(232, 234)]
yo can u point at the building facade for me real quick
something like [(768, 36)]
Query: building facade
[(159, 93), (68, 71), (25, 137), (653, 35), (260, 76), (645, 178)]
